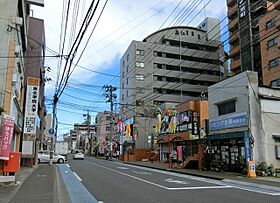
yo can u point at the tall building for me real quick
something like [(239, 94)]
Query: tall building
[(253, 34), (270, 45), (13, 43), (35, 71), (174, 65)]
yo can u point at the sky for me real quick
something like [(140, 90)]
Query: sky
[(121, 22)]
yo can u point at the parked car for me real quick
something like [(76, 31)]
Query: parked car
[(44, 157), (78, 155)]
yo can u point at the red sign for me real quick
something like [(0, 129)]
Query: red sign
[(7, 136)]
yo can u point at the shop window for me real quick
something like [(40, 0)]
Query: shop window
[(226, 107), (274, 62)]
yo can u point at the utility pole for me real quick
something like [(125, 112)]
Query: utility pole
[(53, 139), (109, 89)]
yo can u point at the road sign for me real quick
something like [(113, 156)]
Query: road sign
[(51, 131)]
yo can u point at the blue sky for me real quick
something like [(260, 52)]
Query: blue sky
[(121, 22)]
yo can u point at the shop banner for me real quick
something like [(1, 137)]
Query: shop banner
[(180, 153), (31, 105), (7, 136)]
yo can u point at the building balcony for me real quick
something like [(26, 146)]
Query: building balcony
[(235, 64), (232, 10), (233, 25), (278, 24), (259, 6), (231, 3), (234, 51), (233, 38)]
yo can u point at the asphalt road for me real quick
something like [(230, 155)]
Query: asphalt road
[(115, 182)]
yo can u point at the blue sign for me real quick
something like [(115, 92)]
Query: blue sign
[(247, 148), (234, 121), (51, 131)]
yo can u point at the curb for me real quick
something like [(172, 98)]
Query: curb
[(256, 185)]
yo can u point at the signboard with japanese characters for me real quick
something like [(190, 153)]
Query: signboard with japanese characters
[(31, 106), (195, 125), (7, 136), (233, 121)]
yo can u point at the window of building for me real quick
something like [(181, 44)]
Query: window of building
[(140, 90), (127, 68), (226, 107), (123, 74), (198, 36), (108, 128), (139, 52), (275, 83), (123, 63), (127, 57), (108, 118), (272, 42), (126, 93), (122, 96), (139, 64), (192, 33), (122, 85), (270, 23), (140, 77), (277, 145), (127, 81), (274, 62)]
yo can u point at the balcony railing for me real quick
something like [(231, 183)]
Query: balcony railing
[(258, 5)]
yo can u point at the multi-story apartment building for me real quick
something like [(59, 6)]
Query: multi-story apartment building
[(253, 33), (175, 65), (13, 42), (270, 44)]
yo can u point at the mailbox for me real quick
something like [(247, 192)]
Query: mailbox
[(13, 164)]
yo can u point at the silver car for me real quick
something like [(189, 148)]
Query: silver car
[(44, 157)]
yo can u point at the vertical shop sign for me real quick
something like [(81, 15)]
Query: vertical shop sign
[(195, 123), (7, 135), (247, 149), (180, 153), (31, 106)]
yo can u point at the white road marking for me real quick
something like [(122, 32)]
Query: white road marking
[(142, 173), (77, 176), (199, 187), (68, 165), (170, 180), (122, 168), (151, 183)]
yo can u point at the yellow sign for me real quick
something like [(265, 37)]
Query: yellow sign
[(251, 169)]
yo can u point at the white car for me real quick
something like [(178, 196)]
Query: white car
[(78, 155), (44, 157)]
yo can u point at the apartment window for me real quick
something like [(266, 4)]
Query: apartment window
[(272, 42), (127, 68), (139, 77), (123, 74), (139, 52), (127, 81), (122, 85), (226, 107), (127, 57), (192, 33), (140, 90), (126, 93), (139, 64), (270, 23), (122, 96), (275, 83), (108, 118), (274, 62), (198, 36), (123, 63)]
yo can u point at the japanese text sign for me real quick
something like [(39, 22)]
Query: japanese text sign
[(6, 139)]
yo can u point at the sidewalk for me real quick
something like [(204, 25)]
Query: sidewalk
[(41, 183), (274, 182)]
